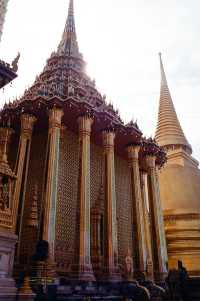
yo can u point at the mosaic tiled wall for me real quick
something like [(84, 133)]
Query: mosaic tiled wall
[(67, 218), (67, 206), (67, 223), (35, 177), (124, 208)]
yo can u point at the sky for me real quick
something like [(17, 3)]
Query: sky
[(120, 41)]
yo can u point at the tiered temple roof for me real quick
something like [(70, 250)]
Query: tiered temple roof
[(64, 83)]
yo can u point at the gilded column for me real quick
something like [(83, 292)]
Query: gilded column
[(7, 238), (111, 254), (85, 267), (5, 135), (7, 180), (157, 223), (50, 203), (27, 122), (133, 155), (149, 259)]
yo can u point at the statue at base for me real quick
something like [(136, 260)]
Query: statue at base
[(149, 269), (129, 266)]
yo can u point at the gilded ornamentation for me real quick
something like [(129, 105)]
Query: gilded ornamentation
[(27, 123), (33, 220), (4, 194), (7, 178)]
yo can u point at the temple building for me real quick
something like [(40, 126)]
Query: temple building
[(180, 186), (8, 72), (3, 10), (74, 175)]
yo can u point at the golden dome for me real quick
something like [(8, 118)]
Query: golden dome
[(180, 188)]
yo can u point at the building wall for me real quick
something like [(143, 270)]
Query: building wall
[(67, 206), (68, 203), (124, 210), (67, 214)]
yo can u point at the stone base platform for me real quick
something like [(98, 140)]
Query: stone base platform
[(8, 289), (102, 290), (7, 284), (78, 273)]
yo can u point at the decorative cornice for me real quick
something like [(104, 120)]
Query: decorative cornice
[(151, 149), (181, 216), (133, 152), (55, 117), (85, 124), (27, 122), (108, 139)]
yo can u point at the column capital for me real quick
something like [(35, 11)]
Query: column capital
[(85, 124), (5, 134), (133, 152), (151, 161), (27, 122), (55, 117), (108, 138)]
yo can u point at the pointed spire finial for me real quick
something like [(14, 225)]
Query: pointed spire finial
[(69, 45), (162, 71), (169, 131)]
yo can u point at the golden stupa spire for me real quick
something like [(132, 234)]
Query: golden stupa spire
[(169, 131)]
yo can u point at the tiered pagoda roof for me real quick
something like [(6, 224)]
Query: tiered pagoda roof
[(64, 83)]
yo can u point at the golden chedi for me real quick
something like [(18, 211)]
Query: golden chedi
[(180, 186)]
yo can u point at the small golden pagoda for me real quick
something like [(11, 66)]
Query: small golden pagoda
[(180, 186)]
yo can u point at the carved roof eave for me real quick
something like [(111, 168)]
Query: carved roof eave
[(6, 74), (150, 148), (56, 56), (104, 119)]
